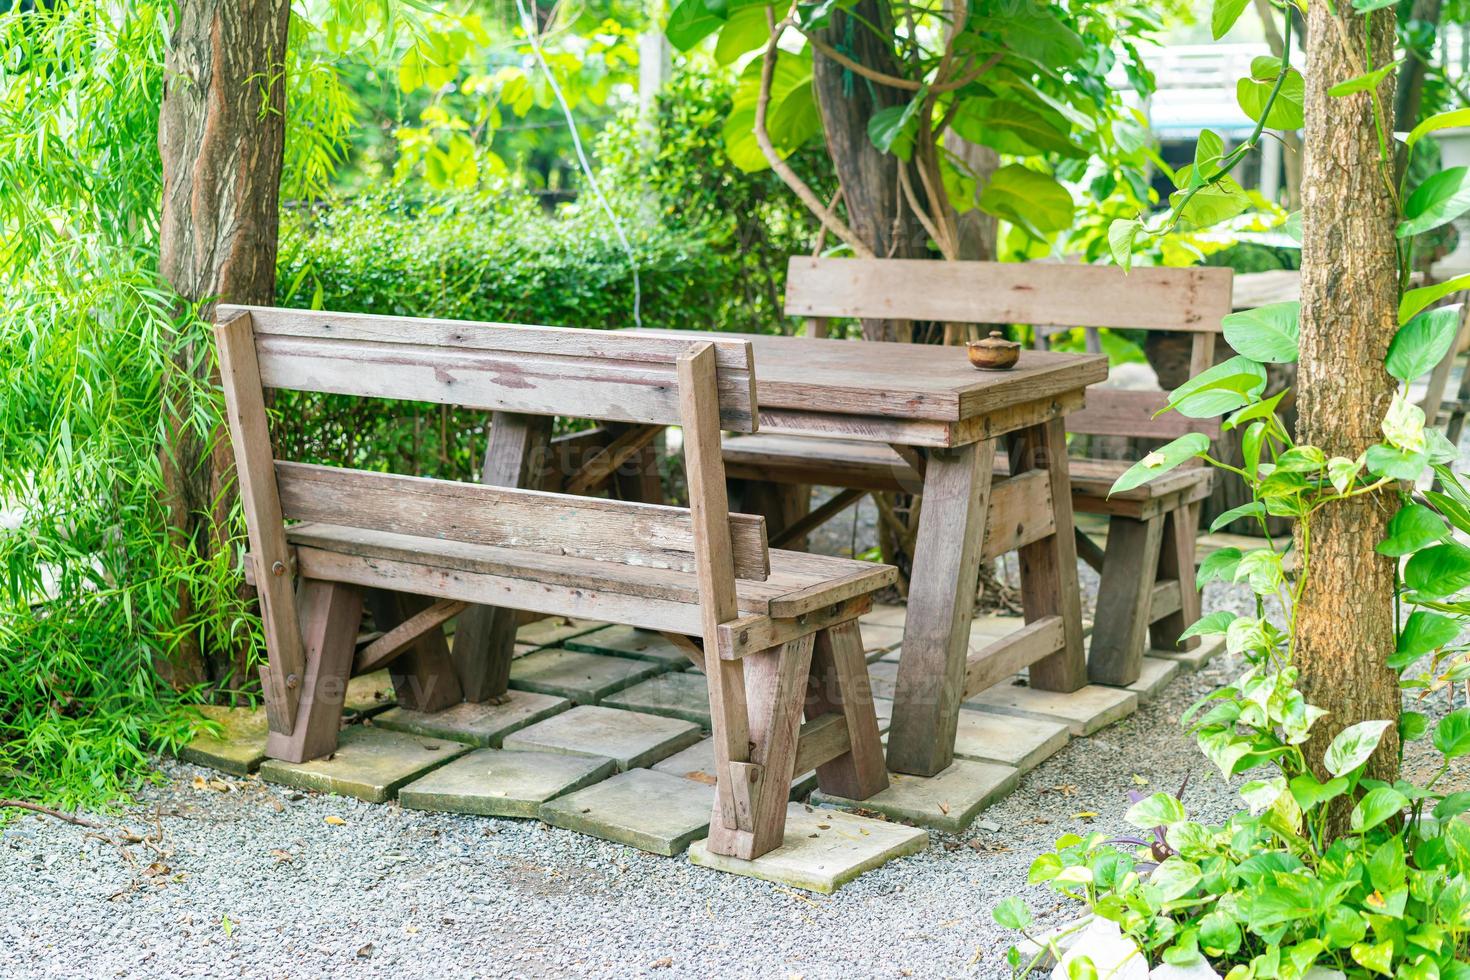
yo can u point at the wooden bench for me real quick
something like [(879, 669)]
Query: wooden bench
[(775, 632), (1147, 569)]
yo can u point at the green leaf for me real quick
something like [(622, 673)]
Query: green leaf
[(1442, 198), (1424, 632), (1255, 508), (1309, 792), (746, 30), (1395, 464), (1375, 807), (1341, 472), (1452, 806), (1122, 233), (1218, 564), (1353, 745), (1417, 299), (1223, 388), (1214, 624), (1172, 879), (1412, 725), (892, 129), (691, 22), (1160, 809), (1443, 120), (1422, 343), (1262, 409), (1267, 333), (1224, 15), (1032, 201), (793, 118), (1212, 204), (1368, 6), (1378, 958), (1364, 82), (1012, 913), (1438, 571), (1252, 93), (1413, 527), (1161, 461), (1452, 734), (1044, 868), (1016, 128)]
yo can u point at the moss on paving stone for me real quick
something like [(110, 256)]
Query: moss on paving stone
[(677, 695), (584, 678), (238, 750), (627, 641), (632, 739), (369, 764), (497, 783), (483, 724), (652, 811), (947, 801)]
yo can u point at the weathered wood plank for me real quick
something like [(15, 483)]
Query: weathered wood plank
[(1124, 600), (840, 684), (995, 662), (399, 638), (1176, 564), (331, 613)]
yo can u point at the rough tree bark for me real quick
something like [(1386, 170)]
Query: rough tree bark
[(221, 134), (1349, 315), (871, 193)]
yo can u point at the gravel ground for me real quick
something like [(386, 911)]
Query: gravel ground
[(253, 880)]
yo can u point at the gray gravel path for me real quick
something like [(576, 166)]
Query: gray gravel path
[(255, 881)]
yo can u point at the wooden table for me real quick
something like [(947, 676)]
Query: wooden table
[(945, 418)]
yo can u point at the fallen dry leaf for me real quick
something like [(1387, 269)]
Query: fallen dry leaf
[(334, 821), (662, 964), (701, 777), (281, 856)]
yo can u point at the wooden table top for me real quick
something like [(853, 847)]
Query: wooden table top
[(912, 381)]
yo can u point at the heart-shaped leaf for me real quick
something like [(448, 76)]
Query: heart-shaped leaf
[(1267, 333)]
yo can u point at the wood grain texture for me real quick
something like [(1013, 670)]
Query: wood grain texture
[(331, 612), (1177, 563), (1125, 600), (1058, 294), (998, 661), (839, 683), (620, 376)]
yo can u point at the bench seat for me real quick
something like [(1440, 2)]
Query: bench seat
[(647, 597), (876, 466)]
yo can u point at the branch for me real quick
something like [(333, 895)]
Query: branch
[(780, 166), (38, 808), (920, 213)]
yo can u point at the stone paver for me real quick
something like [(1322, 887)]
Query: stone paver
[(698, 763), (880, 641), (883, 678), (369, 694), (1192, 660), (885, 615), (1083, 711), (496, 783), (584, 678), (554, 629), (626, 641), (1156, 674), (240, 749), (369, 764), (681, 694), (947, 801), (484, 724), (632, 739), (1011, 740), (652, 811), (821, 850)]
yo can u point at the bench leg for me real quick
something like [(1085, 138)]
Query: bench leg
[(1176, 561), (424, 677), (330, 616), (1049, 566), (486, 635), (936, 633), (1125, 599), (840, 684), (775, 688)]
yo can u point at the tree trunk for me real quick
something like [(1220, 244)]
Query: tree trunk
[(1349, 315), (221, 134), (871, 193)]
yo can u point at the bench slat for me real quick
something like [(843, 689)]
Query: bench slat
[(1010, 292), (1119, 412), (580, 527), (615, 376)]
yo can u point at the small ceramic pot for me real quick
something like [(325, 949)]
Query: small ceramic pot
[(994, 353)]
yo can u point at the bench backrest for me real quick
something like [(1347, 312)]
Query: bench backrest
[(701, 386), (1039, 293)]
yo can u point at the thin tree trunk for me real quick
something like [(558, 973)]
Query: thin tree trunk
[(221, 134), (871, 193), (1349, 315)]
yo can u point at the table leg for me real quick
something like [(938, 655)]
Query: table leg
[(1049, 566), (936, 634), (486, 635), (1124, 596), (424, 678)]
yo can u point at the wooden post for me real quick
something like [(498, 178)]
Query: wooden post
[(936, 634), (485, 636), (332, 613), (424, 677), (1176, 561), (1124, 597), (840, 683)]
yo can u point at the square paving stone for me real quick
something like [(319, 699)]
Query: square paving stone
[(652, 811), (821, 850), (698, 763), (369, 764), (948, 801), (1008, 739), (496, 783), (1192, 660), (554, 629), (239, 750), (625, 641), (484, 724), (883, 678), (1083, 711), (885, 615), (1156, 674), (583, 678), (632, 739), (369, 694), (881, 642), (679, 694)]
